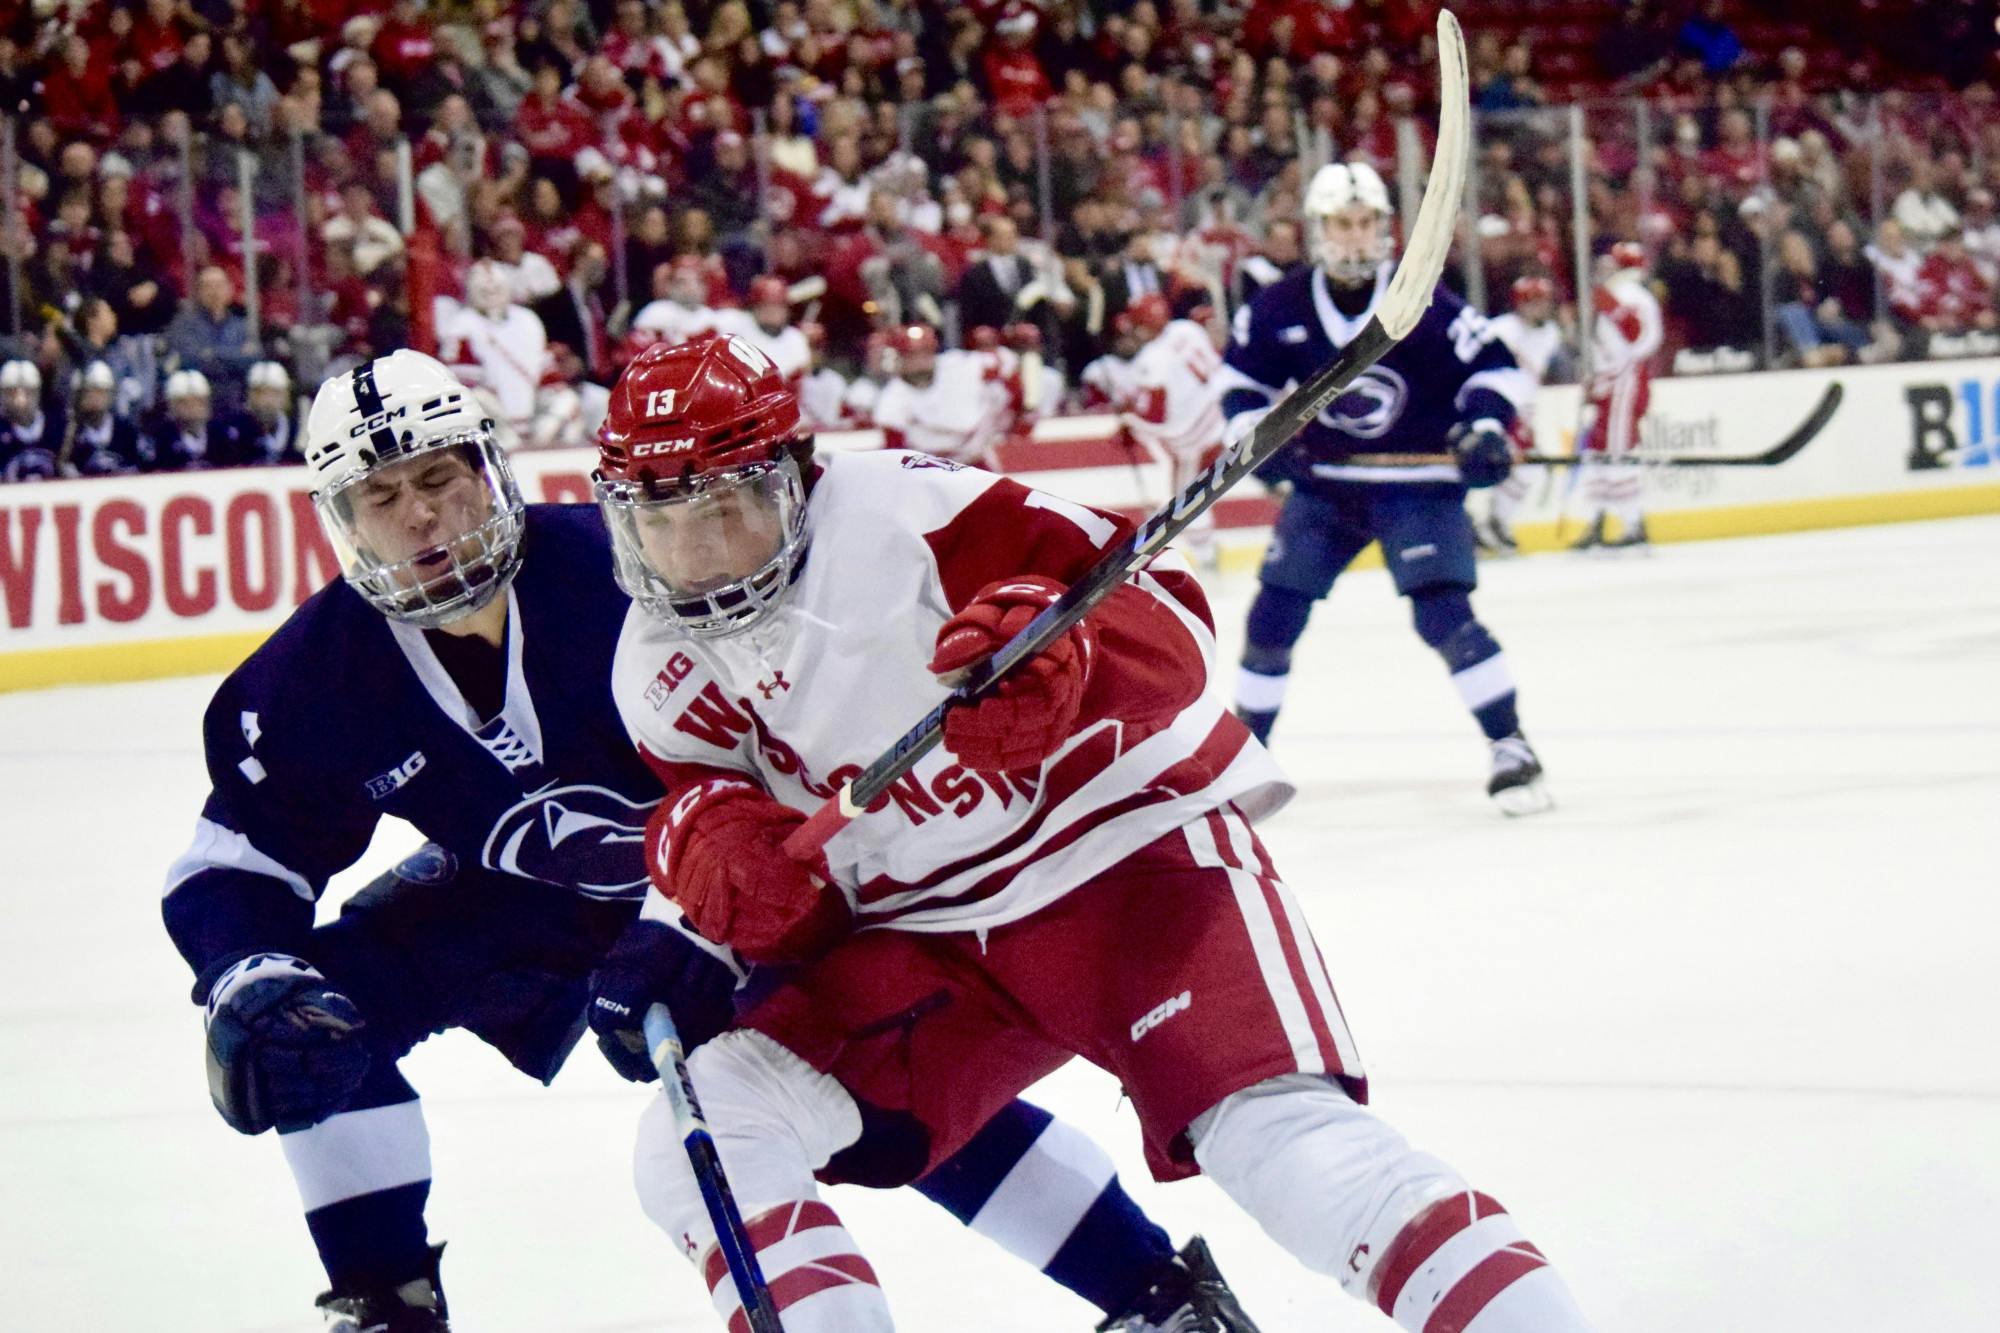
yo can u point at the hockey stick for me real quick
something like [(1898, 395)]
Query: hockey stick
[(663, 1040), (1402, 305), (1781, 452)]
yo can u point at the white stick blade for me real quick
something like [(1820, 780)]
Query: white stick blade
[(1429, 241)]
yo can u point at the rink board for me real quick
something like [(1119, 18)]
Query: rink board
[(138, 577)]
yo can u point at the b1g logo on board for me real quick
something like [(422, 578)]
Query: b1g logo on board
[(1935, 409)]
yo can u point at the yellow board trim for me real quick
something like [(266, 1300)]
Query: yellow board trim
[(151, 659), (141, 659)]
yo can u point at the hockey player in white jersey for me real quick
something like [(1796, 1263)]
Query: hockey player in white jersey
[(1175, 405), (1072, 872), (497, 347), (949, 404), (1625, 336), (1535, 338), (823, 390), (680, 309), (1107, 379), (766, 323)]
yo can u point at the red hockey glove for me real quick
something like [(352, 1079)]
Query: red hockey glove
[(1034, 710), (716, 850)]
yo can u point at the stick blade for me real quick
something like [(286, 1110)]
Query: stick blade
[(1429, 240)]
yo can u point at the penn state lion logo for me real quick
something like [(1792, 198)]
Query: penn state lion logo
[(1371, 405), (579, 836)]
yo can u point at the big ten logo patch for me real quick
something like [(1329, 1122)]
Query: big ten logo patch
[(661, 687), (1954, 425)]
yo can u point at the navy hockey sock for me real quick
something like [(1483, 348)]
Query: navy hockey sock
[(1478, 668), (1050, 1196), (364, 1176)]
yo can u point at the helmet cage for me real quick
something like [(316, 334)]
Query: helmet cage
[(478, 563), (632, 506)]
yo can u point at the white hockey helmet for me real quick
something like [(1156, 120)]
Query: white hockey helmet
[(21, 374), (414, 490), (1348, 247), (187, 384), (269, 375)]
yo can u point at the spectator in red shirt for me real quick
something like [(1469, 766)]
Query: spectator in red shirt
[(1952, 297), (404, 44), (77, 94), (552, 128), (1015, 80), (1733, 160), (157, 37)]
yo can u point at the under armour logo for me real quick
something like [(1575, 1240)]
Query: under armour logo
[(687, 1239), (776, 683)]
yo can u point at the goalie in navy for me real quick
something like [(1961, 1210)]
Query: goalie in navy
[(1366, 469)]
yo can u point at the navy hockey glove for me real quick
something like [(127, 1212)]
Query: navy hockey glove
[(1485, 456), (283, 1048), (653, 962)]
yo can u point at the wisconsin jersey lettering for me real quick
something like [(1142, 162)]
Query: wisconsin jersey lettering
[(1293, 329), (947, 848)]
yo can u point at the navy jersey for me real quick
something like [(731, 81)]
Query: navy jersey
[(33, 452), (1450, 369), (344, 716)]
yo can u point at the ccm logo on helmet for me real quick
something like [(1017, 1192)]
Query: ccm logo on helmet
[(379, 420), (662, 447)]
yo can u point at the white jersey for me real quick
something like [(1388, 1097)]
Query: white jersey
[(1534, 345), (787, 347), (836, 674), (674, 322), (858, 402), (529, 280), (823, 399), (961, 415), (507, 356), (1112, 378), (1176, 402), (1623, 340)]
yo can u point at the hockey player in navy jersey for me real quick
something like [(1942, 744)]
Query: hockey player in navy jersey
[(459, 678), (1451, 386)]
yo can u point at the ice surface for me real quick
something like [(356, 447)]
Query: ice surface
[(1721, 1030)]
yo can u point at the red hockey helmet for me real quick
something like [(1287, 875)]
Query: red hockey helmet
[(984, 338), (1628, 254), (916, 349), (1146, 316), (1532, 288), (1024, 337), (878, 358), (769, 290), (701, 479)]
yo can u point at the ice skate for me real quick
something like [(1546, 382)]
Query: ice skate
[(1516, 784), (1633, 538), (416, 1306), (1500, 538), (1592, 538), (1188, 1295)]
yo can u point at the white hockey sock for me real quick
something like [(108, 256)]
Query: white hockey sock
[(1260, 693), (819, 1282), (775, 1121), (1349, 1198)]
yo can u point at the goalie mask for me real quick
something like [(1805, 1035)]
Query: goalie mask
[(1348, 222), (701, 477), (413, 490)]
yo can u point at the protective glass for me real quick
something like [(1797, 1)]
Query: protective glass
[(713, 555)]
